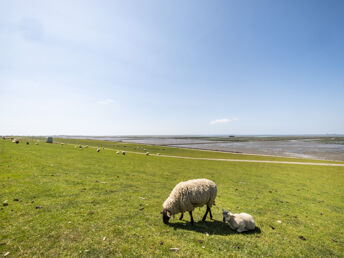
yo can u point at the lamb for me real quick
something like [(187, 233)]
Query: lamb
[(240, 222), (98, 150), (188, 195)]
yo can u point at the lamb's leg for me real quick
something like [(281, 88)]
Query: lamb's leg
[(181, 216), (239, 230), (192, 220), (205, 215), (211, 215)]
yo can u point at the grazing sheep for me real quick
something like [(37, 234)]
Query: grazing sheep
[(117, 152), (98, 150), (147, 153), (62, 143), (123, 152), (188, 195), (80, 146), (240, 221), (15, 141), (27, 143), (86, 146)]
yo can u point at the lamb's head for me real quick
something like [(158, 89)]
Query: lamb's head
[(226, 215), (166, 215)]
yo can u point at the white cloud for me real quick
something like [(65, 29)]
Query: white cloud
[(106, 102), (222, 121)]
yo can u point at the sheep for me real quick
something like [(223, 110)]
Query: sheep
[(240, 221), (147, 153), (117, 152), (158, 154), (98, 150), (15, 141), (27, 143), (188, 195), (80, 147), (123, 152), (62, 143)]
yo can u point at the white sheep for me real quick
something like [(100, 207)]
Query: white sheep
[(188, 195), (98, 150), (147, 153), (117, 152), (240, 221)]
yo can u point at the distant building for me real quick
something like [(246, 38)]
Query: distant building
[(49, 140)]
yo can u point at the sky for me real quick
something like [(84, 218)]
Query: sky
[(171, 67)]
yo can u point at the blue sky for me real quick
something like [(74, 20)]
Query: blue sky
[(171, 67)]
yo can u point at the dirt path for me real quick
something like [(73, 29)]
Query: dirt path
[(228, 160)]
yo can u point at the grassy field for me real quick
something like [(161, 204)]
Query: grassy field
[(77, 202)]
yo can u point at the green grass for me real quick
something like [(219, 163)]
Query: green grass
[(86, 196)]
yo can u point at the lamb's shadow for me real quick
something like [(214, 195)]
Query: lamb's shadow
[(214, 227)]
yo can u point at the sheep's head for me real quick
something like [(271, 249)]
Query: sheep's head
[(226, 215), (166, 215)]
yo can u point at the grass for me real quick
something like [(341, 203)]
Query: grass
[(86, 196)]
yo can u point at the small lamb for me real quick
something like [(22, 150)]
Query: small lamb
[(239, 222)]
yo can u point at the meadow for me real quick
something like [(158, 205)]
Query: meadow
[(69, 201)]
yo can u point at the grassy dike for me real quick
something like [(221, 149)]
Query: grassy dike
[(77, 202)]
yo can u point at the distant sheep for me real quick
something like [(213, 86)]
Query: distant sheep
[(240, 222), (117, 152), (27, 143), (123, 152), (158, 154), (147, 153), (98, 150), (188, 195), (15, 141)]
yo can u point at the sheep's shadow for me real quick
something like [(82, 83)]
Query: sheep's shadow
[(214, 227)]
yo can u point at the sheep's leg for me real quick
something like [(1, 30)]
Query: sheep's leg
[(181, 216), (206, 213), (192, 220), (211, 215)]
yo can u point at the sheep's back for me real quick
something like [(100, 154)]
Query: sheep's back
[(197, 192)]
